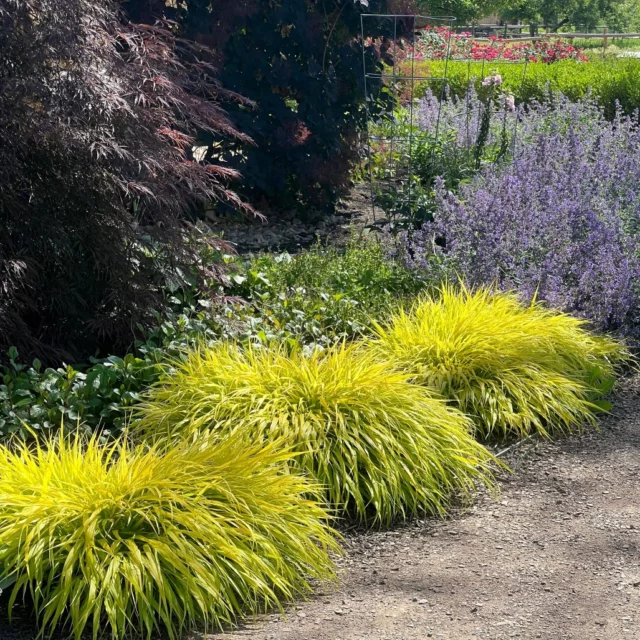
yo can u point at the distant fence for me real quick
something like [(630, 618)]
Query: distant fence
[(491, 29), (570, 35), (513, 32)]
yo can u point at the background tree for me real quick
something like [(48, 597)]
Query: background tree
[(618, 15), (465, 11), (97, 117), (301, 62), (623, 15)]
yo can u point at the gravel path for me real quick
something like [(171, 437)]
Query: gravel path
[(287, 231), (556, 557)]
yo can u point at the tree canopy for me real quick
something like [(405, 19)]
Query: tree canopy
[(584, 14), (98, 116), (465, 11), (619, 15)]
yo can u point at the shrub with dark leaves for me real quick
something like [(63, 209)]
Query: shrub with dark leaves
[(561, 222), (302, 63), (97, 116)]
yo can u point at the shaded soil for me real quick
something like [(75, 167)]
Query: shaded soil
[(555, 557), (290, 231)]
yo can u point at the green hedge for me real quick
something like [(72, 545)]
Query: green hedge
[(609, 80)]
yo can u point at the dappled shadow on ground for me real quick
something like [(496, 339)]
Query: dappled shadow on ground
[(555, 557)]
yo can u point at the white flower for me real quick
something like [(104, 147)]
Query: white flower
[(492, 81)]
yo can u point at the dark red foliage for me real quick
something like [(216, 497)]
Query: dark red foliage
[(97, 123), (301, 61)]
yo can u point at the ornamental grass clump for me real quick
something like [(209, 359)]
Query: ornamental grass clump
[(381, 447), (514, 369), (122, 540)]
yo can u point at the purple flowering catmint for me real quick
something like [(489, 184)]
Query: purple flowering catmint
[(561, 221)]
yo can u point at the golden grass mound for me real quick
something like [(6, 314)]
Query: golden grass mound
[(381, 447), (119, 540), (514, 369)]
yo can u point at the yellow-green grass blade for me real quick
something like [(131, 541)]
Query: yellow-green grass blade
[(129, 539), (381, 447)]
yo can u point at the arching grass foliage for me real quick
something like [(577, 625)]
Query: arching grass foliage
[(118, 540), (514, 369), (381, 447)]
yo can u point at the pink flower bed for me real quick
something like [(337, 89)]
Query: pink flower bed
[(434, 43)]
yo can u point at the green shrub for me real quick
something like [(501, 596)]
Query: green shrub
[(326, 294), (36, 399), (449, 140), (360, 270), (381, 447), (314, 298), (94, 396), (513, 369), (125, 540), (609, 81)]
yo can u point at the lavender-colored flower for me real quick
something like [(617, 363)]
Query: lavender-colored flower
[(510, 102), (561, 221)]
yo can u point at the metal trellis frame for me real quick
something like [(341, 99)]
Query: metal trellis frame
[(402, 82)]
